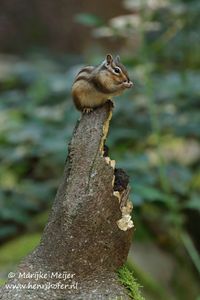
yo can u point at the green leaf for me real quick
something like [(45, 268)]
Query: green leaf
[(7, 231), (151, 194), (88, 19), (193, 203)]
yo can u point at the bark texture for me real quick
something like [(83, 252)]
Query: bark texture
[(82, 236)]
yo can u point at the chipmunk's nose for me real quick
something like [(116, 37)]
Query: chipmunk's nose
[(129, 84)]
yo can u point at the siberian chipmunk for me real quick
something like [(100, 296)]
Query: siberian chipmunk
[(93, 86)]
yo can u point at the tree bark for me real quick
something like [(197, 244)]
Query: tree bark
[(88, 234)]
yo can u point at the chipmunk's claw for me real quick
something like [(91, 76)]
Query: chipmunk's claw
[(87, 110)]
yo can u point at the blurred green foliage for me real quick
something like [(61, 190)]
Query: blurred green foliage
[(155, 130), (36, 123), (22, 246), (154, 133)]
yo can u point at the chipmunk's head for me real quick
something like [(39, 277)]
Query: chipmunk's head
[(118, 71)]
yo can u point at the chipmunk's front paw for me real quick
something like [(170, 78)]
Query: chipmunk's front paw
[(87, 110)]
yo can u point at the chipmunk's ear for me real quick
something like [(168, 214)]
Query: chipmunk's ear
[(109, 59), (117, 59)]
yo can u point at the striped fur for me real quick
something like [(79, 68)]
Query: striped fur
[(93, 86)]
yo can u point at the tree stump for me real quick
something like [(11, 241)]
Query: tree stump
[(88, 234)]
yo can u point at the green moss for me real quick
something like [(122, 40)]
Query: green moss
[(127, 279)]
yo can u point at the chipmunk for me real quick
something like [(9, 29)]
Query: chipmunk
[(93, 86)]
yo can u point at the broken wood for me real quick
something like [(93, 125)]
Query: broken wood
[(88, 234)]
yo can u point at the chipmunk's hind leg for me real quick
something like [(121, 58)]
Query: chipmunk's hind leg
[(87, 110)]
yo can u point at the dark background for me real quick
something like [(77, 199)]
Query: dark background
[(154, 133)]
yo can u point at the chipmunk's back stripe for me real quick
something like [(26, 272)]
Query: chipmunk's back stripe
[(85, 70), (99, 87), (81, 77), (84, 73)]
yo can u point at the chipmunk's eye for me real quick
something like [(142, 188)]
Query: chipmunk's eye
[(117, 70)]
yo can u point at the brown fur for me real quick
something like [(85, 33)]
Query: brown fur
[(94, 85)]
